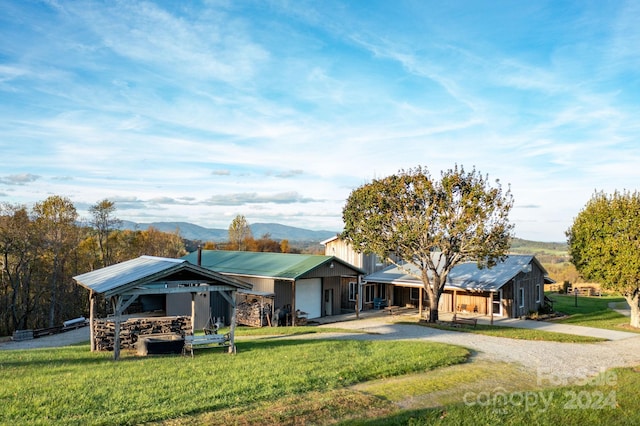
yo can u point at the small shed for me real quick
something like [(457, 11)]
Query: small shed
[(122, 284)]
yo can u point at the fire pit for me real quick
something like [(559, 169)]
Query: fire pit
[(159, 344)]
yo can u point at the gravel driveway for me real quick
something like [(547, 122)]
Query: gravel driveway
[(566, 361)]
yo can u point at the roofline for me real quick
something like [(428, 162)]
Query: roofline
[(328, 240)]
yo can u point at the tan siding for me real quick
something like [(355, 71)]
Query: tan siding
[(338, 270), (260, 284), (179, 304)]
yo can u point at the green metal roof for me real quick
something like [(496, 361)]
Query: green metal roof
[(284, 266)]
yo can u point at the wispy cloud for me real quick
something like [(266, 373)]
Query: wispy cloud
[(254, 198), (21, 179)]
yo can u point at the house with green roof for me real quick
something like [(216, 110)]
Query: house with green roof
[(314, 284)]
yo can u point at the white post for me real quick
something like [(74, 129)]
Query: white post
[(193, 313)]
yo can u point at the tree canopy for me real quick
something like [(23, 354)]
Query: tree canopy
[(604, 242), (43, 248), (433, 224)]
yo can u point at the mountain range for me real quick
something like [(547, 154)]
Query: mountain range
[(194, 232)]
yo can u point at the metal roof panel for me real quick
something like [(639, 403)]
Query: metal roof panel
[(466, 276), (286, 266)]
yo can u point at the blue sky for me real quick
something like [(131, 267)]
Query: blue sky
[(277, 110)]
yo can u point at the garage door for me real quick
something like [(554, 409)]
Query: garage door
[(309, 296)]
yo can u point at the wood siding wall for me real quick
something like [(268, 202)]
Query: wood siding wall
[(532, 282), (332, 283)]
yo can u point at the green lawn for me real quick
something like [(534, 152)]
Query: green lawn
[(518, 333), (74, 386), (591, 311), (612, 400)]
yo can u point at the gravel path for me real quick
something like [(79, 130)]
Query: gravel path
[(67, 338), (550, 360)]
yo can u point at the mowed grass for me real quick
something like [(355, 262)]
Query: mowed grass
[(518, 333), (71, 385), (611, 400), (591, 311)]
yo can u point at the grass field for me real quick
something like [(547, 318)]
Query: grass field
[(610, 400), (591, 311), (71, 385), (518, 333), (298, 382)]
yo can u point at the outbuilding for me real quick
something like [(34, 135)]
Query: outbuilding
[(151, 280), (309, 285)]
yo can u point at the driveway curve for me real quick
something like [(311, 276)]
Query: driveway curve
[(564, 361)]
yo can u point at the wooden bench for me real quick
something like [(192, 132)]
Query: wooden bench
[(464, 321), (205, 341)]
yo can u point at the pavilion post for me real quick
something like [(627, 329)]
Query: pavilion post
[(92, 308), (232, 328), (116, 331)]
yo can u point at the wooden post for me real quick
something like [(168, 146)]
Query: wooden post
[(420, 304), (293, 304), (232, 328), (92, 308), (116, 327), (491, 306), (455, 304)]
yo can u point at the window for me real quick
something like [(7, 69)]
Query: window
[(414, 293), (382, 291), (353, 291), (497, 303), (522, 297), (368, 293), (537, 293)]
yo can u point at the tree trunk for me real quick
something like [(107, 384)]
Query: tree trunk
[(434, 297), (633, 300)]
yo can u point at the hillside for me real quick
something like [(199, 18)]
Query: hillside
[(194, 232), (521, 246)]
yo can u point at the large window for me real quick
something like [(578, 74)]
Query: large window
[(353, 291)]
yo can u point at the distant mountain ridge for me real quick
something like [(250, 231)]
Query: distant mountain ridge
[(194, 232)]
